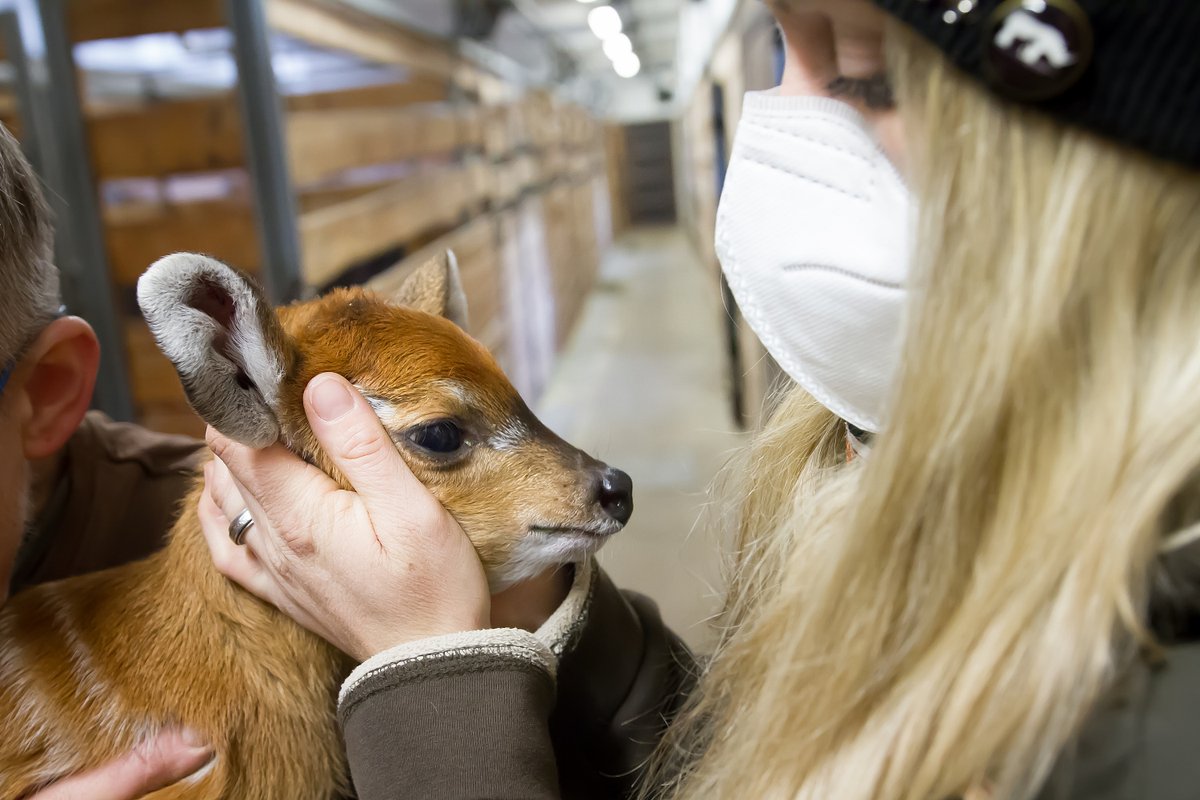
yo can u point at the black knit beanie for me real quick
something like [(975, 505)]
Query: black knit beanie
[(1129, 69)]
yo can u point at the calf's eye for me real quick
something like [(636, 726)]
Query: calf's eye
[(437, 437)]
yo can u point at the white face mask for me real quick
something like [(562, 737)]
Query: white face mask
[(813, 234)]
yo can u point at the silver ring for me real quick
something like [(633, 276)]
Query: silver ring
[(238, 528)]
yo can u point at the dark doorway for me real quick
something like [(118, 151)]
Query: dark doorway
[(649, 176)]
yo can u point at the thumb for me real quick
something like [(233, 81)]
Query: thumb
[(152, 765), (355, 440)]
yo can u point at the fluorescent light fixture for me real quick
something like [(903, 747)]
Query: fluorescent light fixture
[(627, 65), (617, 45), (604, 21)]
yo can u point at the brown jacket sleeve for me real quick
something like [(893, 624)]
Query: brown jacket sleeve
[(117, 497), (463, 718), (478, 715), (618, 686)]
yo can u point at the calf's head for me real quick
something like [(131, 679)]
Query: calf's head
[(527, 499)]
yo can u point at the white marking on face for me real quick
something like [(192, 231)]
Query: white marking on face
[(509, 436), (538, 552), (457, 390), (384, 409)]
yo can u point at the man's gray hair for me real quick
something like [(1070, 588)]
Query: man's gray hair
[(29, 293)]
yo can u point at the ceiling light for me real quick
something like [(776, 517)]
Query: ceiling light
[(627, 64), (617, 45), (604, 21)]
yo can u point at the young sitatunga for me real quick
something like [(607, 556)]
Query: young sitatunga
[(92, 665)]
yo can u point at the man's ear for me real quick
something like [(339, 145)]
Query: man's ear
[(435, 287), (224, 339), (59, 373)]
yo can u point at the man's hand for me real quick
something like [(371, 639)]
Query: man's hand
[(159, 762)]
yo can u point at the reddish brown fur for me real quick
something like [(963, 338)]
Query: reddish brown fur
[(92, 665)]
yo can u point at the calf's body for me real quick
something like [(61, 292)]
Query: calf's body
[(93, 665)]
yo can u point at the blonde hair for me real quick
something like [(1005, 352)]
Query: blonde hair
[(941, 616)]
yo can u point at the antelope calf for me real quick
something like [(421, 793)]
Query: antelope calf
[(92, 665)]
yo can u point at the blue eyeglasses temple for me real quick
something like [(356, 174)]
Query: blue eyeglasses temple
[(7, 372)]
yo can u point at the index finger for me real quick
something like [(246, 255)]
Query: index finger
[(281, 484)]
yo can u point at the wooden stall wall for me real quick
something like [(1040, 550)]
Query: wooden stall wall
[(385, 174), (703, 137)]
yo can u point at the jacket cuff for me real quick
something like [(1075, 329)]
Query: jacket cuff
[(453, 653), (472, 651), (454, 717), (562, 630)]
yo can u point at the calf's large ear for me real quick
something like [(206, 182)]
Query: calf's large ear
[(224, 339), (435, 287)]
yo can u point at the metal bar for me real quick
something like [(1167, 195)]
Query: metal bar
[(266, 149), (79, 240), (14, 45)]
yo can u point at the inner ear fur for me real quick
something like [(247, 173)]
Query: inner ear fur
[(215, 325), (435, 287)]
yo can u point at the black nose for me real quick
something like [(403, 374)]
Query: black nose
[(616, 494)]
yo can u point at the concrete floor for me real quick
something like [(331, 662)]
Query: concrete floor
[(642, 386)]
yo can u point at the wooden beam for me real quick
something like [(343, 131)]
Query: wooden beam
[(337, 27), (205, 133), (153, 378), (322, 144), (335, 238), (476, 246), (325, 196), (380, 95), (138, 236), (114, 19), (165, 138), (322, 23), (470, 127)]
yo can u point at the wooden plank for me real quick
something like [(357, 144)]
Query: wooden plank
[(381, 95), (467, 78), (323, 197), (328, 25), (476, 246), (136, 237), (614, 147), (580, 165), (471, 127), (498, 135), (153, 379), (206, 133), (113, 19), (157, 392), (388, 282), (334, 238), (322, 144), (494, 337), (176, 136), (324, 24)]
